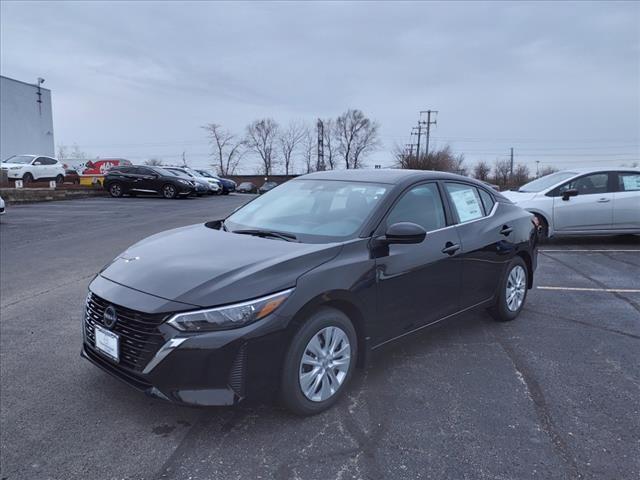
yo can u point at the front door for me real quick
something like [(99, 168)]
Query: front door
[(591, 209), (419, 284)]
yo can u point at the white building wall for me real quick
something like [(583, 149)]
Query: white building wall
[(24, 128)]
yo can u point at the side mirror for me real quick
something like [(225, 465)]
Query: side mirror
[(567, 194), (403, 233)]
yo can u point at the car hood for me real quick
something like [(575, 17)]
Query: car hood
[(206, 267), (9, 165), (519, 197)]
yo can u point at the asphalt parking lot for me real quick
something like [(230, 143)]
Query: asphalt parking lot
[(552, 395)]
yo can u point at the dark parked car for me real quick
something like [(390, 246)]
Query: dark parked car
[(71, 176), (266, 186), (228, 186), (293, 290), (135, 179), (247, 187)]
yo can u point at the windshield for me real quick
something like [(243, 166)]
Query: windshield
[(546, 182), (204, 173), (21, 159), (178, 173), (316, 211)]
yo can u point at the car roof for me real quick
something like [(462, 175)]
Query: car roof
[(383, 175), (581, 170)]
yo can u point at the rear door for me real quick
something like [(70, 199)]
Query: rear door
[(591, 209), (626, 201), (485, 238), (419, 284)]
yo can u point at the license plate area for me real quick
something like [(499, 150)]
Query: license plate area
[(107, 343)]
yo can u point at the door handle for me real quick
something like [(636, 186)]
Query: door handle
[(506, 230), (450, 248), (603, 200)]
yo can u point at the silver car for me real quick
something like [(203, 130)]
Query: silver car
[(584, 201)]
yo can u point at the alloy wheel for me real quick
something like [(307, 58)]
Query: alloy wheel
[(169, 191), (115, 190), (516, 288), (325, 363)]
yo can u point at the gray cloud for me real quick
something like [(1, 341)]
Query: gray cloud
[(553, 80)]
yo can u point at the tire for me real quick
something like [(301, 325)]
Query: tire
[(27, 178), (543, 234), (169, 191), (116, 190), (507, 308), (318, 326), (60, 179)]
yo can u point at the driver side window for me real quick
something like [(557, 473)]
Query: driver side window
[(587, 185), (421, 205)]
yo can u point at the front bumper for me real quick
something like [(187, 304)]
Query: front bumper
[(212, 368)]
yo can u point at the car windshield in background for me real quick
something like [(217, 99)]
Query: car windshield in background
[(546, 182), (314, 211), (22, 159), (177, 173), (204, 173)]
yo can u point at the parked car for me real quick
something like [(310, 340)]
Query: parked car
[(33, 167), (294, 289), (266, 186), (71, 176), (584, 201), (2, 208), (228, 186), (247, 187), (136, 180), (202, 184)]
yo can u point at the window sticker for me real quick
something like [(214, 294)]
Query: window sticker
[(467, 205), (631, 182)]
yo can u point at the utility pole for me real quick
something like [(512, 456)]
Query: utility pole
[(184, 160), (417, 131), (409, 149), (428, 123), (537, 168), (320, 163), (511, 163)]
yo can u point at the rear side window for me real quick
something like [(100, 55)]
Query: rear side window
[(586, 185), (421, 205), (487, 201), (628, 182), (466, 201)]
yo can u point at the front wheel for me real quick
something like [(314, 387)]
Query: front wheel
[(319, 363), (27, 178), (512, 292), (115, 190), (169, 191)]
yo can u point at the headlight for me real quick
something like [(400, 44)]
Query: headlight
[(231, 316), (185, 182)]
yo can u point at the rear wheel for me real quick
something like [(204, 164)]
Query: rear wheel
[(512, 291), (319, 363), (115, 190), (169, 191), (60, 179), (27, 178)]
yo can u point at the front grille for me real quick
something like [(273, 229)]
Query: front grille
[(139, 336)]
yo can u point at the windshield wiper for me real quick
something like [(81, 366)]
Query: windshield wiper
[(289, 237)]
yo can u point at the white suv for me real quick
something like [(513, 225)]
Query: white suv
[(584, 201), (33, 167)]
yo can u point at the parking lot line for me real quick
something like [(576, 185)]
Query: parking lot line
[(586, 289), (564, 250)]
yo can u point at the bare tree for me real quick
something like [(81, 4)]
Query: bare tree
[(66, 153), (154, 162), (356, 135), (501, 173), (329, 141), (548, 170), (308, 147), (481, 171), (289, 140), (260, 137), (228, 150), (520, 175), (443, 160)]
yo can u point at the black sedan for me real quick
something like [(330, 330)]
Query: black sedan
[(294, 290), (135, 180)]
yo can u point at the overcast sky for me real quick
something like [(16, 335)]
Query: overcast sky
[(559, 82)]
